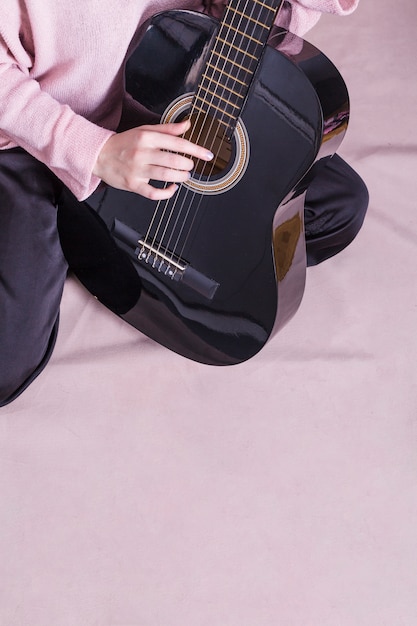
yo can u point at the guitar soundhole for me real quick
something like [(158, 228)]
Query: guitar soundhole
[(231, 155), (210, 133)]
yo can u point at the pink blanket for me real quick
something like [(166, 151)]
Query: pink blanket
[(140, 489)]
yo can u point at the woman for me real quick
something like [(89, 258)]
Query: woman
[(61, 99)]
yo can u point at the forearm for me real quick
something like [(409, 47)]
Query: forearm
[(67, 143)]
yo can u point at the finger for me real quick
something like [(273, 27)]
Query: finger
[(183, 146), (168, 139), (156, 193), (165, 174), (172, 160), (172, 128)]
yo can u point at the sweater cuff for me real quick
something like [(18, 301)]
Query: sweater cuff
[(74, 165), (339, 7)]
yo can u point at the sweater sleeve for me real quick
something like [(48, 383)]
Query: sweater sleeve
[(306, 13), (297, 15), (50, 131), (340, 7)]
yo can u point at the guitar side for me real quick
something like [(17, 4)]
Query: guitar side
[(242, 269)]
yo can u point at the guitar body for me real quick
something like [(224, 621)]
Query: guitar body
[(216, 272)]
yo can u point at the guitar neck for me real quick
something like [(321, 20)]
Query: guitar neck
[(234, 57)]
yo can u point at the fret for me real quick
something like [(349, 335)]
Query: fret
[(273, 9), (231, 45), (236, 21), (249, 18), (233, 60), (213, 93), (252, 7), (216, 108), (222, 85), (224, 73), (243, 34), (225, 58)]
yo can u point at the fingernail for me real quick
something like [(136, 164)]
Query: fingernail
[(210, 155)]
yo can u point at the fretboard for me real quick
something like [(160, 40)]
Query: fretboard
[(233, 59)]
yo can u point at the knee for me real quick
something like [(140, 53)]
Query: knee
[(12, 380), (360, 202), (21, 364), (336, 224), (348, 196), (16, 375)]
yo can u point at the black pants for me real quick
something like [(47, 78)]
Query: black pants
[(33, 267), (32, 270)]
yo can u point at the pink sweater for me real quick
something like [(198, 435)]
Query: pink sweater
[(61, 78)]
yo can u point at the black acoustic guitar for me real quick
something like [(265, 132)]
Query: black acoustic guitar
[(216, 270)]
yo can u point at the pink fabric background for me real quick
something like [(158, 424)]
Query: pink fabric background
[(140, 489)]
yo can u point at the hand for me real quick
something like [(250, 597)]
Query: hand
[(129, 160)]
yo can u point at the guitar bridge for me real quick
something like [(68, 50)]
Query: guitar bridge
[(163, 262)]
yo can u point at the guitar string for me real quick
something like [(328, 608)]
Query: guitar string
[(275, 11), (226, 43), (213, 97), (224, 60), (239, 50), (180, 210), (224, 38), (176, 197)]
